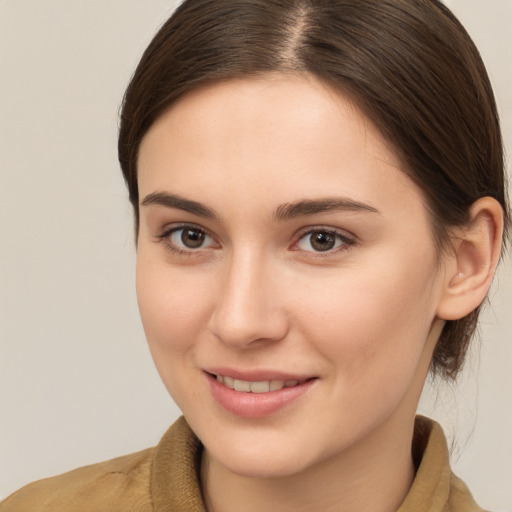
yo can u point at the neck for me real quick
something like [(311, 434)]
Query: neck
[(374, 475)]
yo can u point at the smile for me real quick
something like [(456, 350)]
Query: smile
[(264, 394), (263, 386)]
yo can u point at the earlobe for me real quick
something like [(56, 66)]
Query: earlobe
[(473, 262)]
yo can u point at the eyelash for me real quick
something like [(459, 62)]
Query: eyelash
[(346, 241), (165, 237)]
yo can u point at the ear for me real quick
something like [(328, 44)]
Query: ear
[(470, 268)]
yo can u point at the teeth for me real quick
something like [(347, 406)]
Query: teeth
[(229, 382), (256, 387), (242, 385), (275, 385), (260, 387)]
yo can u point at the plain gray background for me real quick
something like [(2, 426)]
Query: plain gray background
[(77, 384)]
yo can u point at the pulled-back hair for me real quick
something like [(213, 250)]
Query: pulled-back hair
[(409, 65)]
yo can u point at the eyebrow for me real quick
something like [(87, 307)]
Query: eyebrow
[(180, 203), (316, 206), (283, 212)]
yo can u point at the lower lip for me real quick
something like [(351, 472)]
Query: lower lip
[(256, 405)]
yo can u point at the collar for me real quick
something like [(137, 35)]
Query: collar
[(177, 458)]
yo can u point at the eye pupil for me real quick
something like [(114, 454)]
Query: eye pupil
[(192, 238), (322, 241)]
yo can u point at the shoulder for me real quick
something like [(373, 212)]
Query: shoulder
[(118, 485)]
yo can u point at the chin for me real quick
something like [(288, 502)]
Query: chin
[(261, 452), (272, 464)]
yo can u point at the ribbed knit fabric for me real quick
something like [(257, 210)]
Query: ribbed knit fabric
[(166, 479), (175, 475)]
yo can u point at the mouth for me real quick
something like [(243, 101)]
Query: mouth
[(257, 394), (261, 386)]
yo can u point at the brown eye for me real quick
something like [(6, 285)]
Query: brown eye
[(192, 238), (188, 238), (322, 241)]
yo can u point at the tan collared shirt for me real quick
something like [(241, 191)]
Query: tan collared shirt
[(165, 479)]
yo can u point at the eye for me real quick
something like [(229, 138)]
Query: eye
[(322, 240), (187, 238)]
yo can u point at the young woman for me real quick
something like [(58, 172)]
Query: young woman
[(320, 206)]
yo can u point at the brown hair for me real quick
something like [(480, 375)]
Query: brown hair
[(408, 64)]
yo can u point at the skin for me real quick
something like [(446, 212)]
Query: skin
[(362, 318)]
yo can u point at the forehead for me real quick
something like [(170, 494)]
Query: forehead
[(272, 138)]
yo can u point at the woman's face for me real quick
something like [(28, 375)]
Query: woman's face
[(282, 249)]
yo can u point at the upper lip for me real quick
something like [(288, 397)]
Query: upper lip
[(255, 375)]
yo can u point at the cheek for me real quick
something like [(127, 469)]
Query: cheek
[(173, 314), (372, 322), (171, 309)]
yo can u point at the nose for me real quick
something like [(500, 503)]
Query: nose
[(248, 311)]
